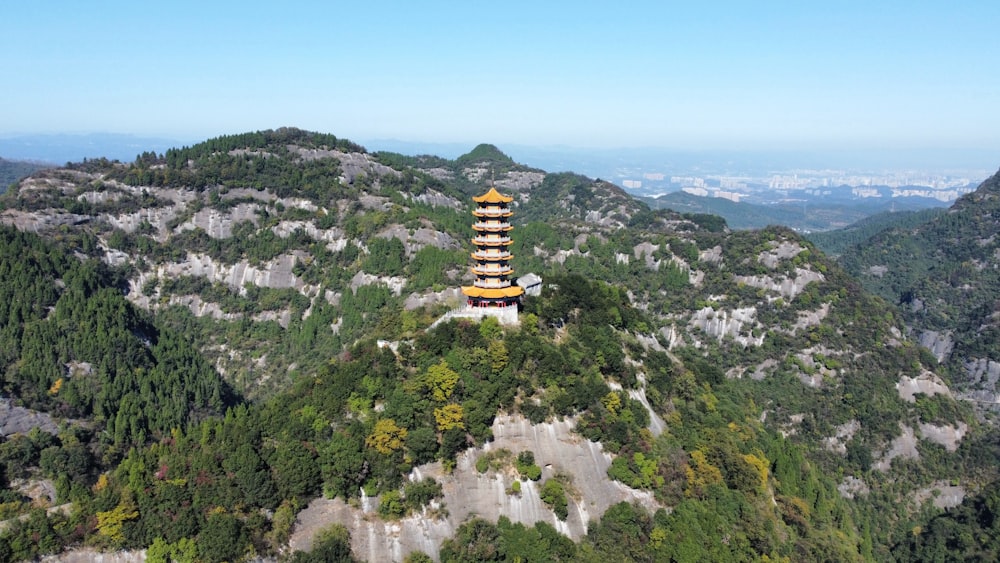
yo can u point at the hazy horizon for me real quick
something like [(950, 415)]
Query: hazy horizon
[(58, 148), (724, 76)]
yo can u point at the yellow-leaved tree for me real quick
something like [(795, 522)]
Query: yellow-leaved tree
[(700, 474), (110, 524), (387, 437), (449, 416), (441, 381)]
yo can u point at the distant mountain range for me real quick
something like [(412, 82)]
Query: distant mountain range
[(816, 215), (607, 163), (63, 148)]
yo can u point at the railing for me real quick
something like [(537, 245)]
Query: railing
[(504, 271), (492, 240), (492, 226), (491, 283), (492, 212), (492, 255)]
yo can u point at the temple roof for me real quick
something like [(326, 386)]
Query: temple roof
[(493, 293), (493, 196)]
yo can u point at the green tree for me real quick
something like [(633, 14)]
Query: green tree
[(554, 494), (222, 539), (331, 545)]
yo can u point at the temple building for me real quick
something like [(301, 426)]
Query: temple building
[(492, 287)]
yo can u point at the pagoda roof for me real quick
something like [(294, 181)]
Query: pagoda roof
[(493, 293), (492, 196)]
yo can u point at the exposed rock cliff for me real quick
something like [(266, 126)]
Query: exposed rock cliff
[(468, 493)]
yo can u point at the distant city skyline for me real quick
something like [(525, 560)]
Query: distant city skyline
[(890, 75)]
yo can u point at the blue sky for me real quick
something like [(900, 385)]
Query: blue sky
[(706, 75)]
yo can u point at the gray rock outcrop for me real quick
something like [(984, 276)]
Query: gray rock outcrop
[(468, 493), (19, 420), (737, 324), (784, 286), (927, 383), (939, 343)]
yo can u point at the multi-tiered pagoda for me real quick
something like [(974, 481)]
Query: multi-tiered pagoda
[(492, 269)]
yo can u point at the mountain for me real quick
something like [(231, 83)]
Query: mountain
[(835, 242), (676, 391), (804, 216), (945, 275)]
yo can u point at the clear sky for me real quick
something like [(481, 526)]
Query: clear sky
[(709, 75)]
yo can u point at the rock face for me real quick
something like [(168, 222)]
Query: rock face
[(838, 442), (736, 324), (903, 446), (89, 555), (19, 420), (41, 221), (468, 494), (927, 383), (940, 344), (420, 238), (276, 274), (218, 224), (851, 486), (335, 238), (437, 199), (417, 300), (811, 318), (352, 164), (783, 285), (394, 283), (513, 180), (947, 435), (780, 251), (984, 376), (944, 495)]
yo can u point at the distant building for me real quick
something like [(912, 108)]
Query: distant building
[(733, 183), (700, 192), (731, 196)]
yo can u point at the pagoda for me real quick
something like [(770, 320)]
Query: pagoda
[(493, 287)]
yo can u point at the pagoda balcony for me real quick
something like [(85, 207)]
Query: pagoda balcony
[(491, 283), (490, 270), (493, 240), (492, 254), (492, 226), (493, 212), (487, 266)]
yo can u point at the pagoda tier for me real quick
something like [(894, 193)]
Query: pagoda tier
[(492, 254), (493, 211), (492, 270), (488, 241), (492, 226), (492, 287)]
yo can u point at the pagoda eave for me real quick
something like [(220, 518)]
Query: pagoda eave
[(493, 293)]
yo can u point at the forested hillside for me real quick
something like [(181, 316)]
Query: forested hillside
[(13, 170), (231, 335), (835, 242), (811, 215), (945, 275)]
